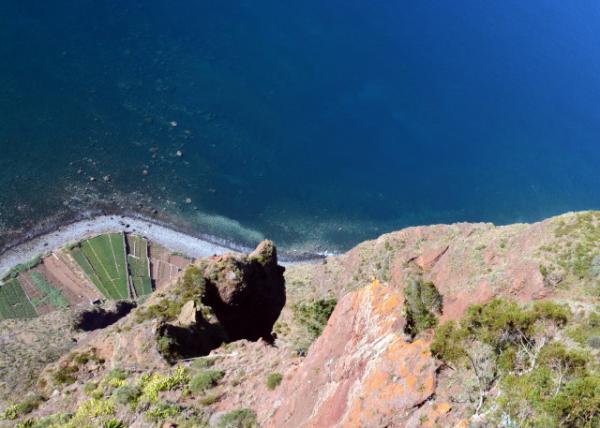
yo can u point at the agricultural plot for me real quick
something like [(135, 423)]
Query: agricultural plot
[(103, 260), (165, 266), (138, 246), (139, 265), (14, 303), (50, 295)]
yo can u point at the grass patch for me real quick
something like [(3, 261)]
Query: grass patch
[(14, 302), (205, 380), (241, 418), (273, 380)]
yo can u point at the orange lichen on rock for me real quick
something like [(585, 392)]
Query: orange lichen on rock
[(362, 371)]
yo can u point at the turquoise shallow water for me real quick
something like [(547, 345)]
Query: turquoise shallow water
[(317, 124)]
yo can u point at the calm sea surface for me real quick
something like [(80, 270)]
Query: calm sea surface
[(314, 123)]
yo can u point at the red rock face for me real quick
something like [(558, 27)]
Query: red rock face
[(362, 372)]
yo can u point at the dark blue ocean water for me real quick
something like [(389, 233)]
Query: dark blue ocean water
[(315, 123)]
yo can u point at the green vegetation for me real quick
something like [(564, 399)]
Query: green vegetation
[(538, 379), (151, 385), (191, 286), (422, 303), (574, 257), (103, 260), (242, 418), (162, 410), (314, 316), (586, 331), (14, 272), (205, 380), (14, 302), (139, 265), (66, 373), (113, 423), (203, 363), (23, 408), (273, 380), (127, 394), (50, 295)]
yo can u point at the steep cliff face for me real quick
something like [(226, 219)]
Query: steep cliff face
[(205, 351), (363, 370)]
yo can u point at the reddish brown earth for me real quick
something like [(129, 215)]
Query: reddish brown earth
[(165, 266), (64, 272)]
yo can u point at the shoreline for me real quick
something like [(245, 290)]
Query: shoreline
[(166, 235)]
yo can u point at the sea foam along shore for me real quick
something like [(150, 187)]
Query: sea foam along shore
[(158, 233)]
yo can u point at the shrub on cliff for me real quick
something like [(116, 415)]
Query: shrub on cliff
[(314, 316), (191, 286), (273, 380), (205, 380), (422, 303), (539, 380), (242, 418)]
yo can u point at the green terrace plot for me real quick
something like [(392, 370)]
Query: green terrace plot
[(137, 246), (139, 265), (50, 295), (103, 260), (14, 302)]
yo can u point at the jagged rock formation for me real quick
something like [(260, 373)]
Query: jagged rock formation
[(246, 293), (363, 371)]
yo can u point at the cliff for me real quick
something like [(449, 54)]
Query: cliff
[(432, 326)]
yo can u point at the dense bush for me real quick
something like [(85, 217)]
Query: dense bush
[(273, 380), (243, 418), (422, 302), (540, 381), (127, 394), (314, 315), (205, 380)]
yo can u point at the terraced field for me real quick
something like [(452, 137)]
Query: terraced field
[(103, 260), (14, 303), (114, 266), (50, 295), (139, 265)]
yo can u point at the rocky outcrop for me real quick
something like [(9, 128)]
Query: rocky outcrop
[(363, 371), (233, 297), (217, 300), (246, 292)]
